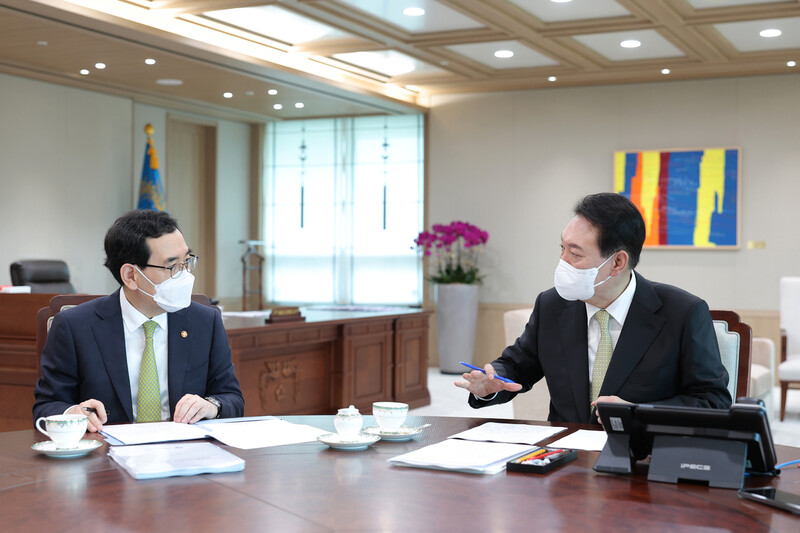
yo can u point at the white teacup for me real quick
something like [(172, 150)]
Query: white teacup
[(65, 430), (389, 415)]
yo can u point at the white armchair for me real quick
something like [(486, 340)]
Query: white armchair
[(762, 371), (534, 404), (789, 367)]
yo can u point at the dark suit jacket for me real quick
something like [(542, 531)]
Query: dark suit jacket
[(667, 353), (84, 358)]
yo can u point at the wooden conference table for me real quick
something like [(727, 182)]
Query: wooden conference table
[(309, 487)]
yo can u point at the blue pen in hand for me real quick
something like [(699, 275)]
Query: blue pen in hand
[(501, 378)]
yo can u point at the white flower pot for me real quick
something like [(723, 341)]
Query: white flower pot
[(456, 322)]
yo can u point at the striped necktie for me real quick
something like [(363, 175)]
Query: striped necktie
[(148, 401), (604, 352)]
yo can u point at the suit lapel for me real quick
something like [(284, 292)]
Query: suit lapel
[(110, 337), (178, 343), (572, 324), (642, 326)]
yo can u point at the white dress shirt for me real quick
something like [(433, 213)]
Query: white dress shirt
[(618, 309), (132, 321)]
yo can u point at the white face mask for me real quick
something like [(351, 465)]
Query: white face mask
[(173, 294), (577, 283)]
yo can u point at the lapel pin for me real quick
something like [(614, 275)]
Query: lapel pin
[(184, 334)]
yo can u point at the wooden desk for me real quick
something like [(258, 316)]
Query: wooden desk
[(309, 487), (18, 361), (331, 360)]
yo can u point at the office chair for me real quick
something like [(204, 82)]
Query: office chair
[(735, 343), (42, 275)]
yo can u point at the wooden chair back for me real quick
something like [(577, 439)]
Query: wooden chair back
[(732, 332)]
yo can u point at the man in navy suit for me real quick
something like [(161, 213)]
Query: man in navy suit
[(96, 352), (660, 339)]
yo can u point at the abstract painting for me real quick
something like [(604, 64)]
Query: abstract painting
[(688, 198)]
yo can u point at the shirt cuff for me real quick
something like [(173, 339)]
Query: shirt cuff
[(489, 399), (68, 408)]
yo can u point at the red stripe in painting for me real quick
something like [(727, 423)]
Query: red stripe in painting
[(663, 186)]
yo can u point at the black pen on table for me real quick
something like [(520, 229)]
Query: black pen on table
[(93, 410)]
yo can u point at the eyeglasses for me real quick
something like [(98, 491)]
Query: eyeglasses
[(175, 270)]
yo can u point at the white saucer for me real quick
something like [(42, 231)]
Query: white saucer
[(50, 449), (400, 434), (358, 442)]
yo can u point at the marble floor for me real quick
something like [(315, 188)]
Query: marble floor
[(449, 400)]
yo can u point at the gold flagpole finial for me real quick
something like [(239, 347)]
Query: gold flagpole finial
[(148, 129)]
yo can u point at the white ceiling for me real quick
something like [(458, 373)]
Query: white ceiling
[(355, 57)]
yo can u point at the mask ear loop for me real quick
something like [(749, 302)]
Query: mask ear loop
[(598, 268), (151, 283)]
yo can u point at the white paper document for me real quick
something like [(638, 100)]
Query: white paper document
[(153, 432), (463, 456), (150, 461), (262, 433), (511, 433), (583, 439), (242, 433)]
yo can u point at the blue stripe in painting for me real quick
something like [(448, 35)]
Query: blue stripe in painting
[(684, 180), (631, 159), (723, 225)]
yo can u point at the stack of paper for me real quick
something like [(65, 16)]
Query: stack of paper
[(183, 459), (511, 433), (463, 456)]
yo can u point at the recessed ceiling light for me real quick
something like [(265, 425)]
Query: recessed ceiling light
[(771, 32), (272, 92), (630, 43), (149, 61), (227, 95), (503, 54), (249, 93), (665, 71), (42, 43), (85, 71), (169, 81), (299, 105), (277, 106), (560, 1), (791, 63), (413, 12), (552, 78), (99, 66)]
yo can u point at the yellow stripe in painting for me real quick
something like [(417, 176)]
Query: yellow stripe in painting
[(619, 172), (712, 187), (651, 167)]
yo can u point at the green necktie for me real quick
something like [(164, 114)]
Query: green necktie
[(148, 401), (604, 352)]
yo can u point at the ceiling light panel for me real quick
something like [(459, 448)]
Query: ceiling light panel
[(437, 17), (547, 11), (744, 36), (387, 62), (277, 24), (524, 57), (607, 44), (707, 4)]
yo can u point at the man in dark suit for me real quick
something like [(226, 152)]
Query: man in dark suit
[(605, 333), (145, 352)]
